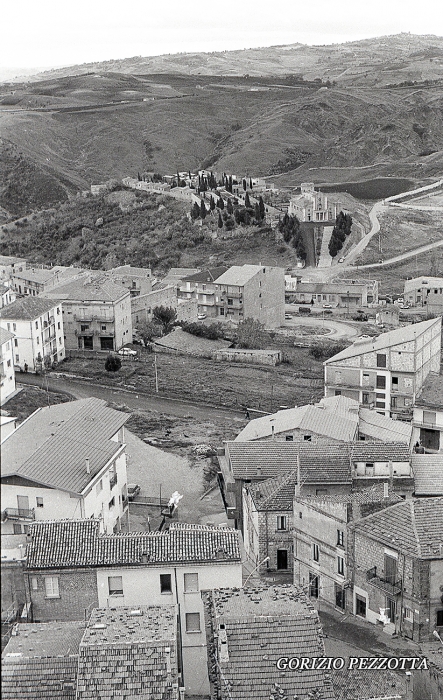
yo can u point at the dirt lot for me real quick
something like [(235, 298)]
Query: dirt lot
[(29, 399), (298, 381), (392, 278), (402, 230)]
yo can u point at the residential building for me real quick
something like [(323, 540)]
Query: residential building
[(251, 291), (7, 295), (65, 461), (428, 474), (7, 371), (138, 280), (71, 567), (387, 373), (10, 264), (35, 280), (340, 294), (322, 555), (96, 313), (201, 286), (37, 325), (42, 661), (377, 427), (251, 631), (388, 316), (427, 418), (425, 292), (312, 205), (398, 568), (380, 462)]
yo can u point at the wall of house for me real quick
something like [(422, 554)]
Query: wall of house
[(429, 419), (251, 531), (77, 594), (269, 308), (435, 592), (33, 338), (272, 539), (7, 371), (142, 306), (56, 504), (13, 595), (98, 499), (141, 586), (102, 319), (383, 468)]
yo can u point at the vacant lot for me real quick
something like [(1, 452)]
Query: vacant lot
[(30, 398), (392, 278), (402, 230)]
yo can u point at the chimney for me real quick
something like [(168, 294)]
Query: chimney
[(88, 468), (223, 653), (385, 490), (273, 431)]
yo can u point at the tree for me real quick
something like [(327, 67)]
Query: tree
[(220, 203), (212, 204), (261, 204), (220, 221), (229, 207), (113, 363), (195, 211), (251, 334), (245, 185), (149, 330), (202, 209), (165, 316), (247, 201)]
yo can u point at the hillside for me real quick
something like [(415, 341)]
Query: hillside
[(290, 113)]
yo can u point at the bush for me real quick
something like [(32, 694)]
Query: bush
[(113, 363), (324, 350), (212, 332)]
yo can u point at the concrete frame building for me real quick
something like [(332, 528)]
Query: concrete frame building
[(35, 280), (7, 370), (202, 287), (425, 292), (427, 419), (387, 373), (37, 325), (341, 294)]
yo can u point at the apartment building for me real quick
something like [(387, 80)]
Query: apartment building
[(427, 419), (10, 264), (37, 325), (138, 280), (96, 313), (7, 371), (425, 292), (387, 373), (65, 461), (35, 280), (71, 567), (251, 291), (202, 287), (340, 294)]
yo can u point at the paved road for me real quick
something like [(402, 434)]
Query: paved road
[(338, 329), (377, 209), (404, 256), (161, 404)]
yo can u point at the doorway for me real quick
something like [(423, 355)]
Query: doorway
[(282, 559)]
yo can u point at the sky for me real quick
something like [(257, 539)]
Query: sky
[(49, 33)]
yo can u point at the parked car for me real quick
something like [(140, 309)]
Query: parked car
[(288, 317), (327, 311), (341, 260), (201, 317), (327, 306), (133, 491), (127, 352)]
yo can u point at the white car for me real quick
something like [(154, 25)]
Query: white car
[(201, 317), (127, 352), (341, 260)]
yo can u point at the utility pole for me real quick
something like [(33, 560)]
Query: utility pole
[(156, 374)]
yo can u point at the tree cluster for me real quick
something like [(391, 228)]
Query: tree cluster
[(289, 227), (213, 331), (251, 335), (342, 228)]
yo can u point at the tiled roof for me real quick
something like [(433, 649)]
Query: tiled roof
[(40, 663), (331, 287), (275, 494), (311, 419), (364, 451), (127, 655), (238, 275), (67, 543), (378, 427), (132, 271), (262, 625), (92, 286), (371, 494), (5, 336), (428, 474), (52, 445), (28, 308), (206, 275), (385, 340), (432, 391), (413, 526)]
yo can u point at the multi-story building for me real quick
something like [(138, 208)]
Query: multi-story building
[(311, 205), (71, 567), (427, 419), (65, 461), (9, 265), (251, 291), (341, 294), (138, 280), (35, 280), (7, 371), (398, 568), (96, 313), (322, 560), (201, 286), (7, 295), (387, 373), (37, 325), (425, 292)]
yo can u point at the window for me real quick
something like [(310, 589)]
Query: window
[(39, 502), (337, 392), (8, 363), (380, 396), (307, 438), (340, 599), (34, 583), (381, 360), (115, 585), (429, 417), (103, 327), (193, 622), (369, 469), (439, 620), (165, 583), (360, 605), (16, 528), (112, 502), (58, 311), (289, 438), (99, 486), (84, 327), (394, 383), (282, 522), (340, 566), (365, 398), (340, 538), (15, 342), (38, 340), (51, 587), (394, 402), (380, 404), (17, 358), (36, 324), (408, 614), (365, 379), (58, 325), (381, 382), (314, 585), (222, 312), (315, 552), (230, 302), (190, 583)]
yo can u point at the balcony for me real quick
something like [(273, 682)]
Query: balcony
[(18, 514), (125, 502), (112, 481), (387, 585)]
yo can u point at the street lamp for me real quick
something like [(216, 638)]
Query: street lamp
[(254, 570)]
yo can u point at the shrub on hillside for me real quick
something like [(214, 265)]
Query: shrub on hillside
[(113, 363), (214, 331), (324, 350)]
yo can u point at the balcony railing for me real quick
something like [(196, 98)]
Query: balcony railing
[(113, 481), (18, 514), (392, 587)]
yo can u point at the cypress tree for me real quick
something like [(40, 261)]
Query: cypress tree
[(220, 221), (202, 209)]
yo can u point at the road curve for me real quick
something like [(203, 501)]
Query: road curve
[(404, 256)]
